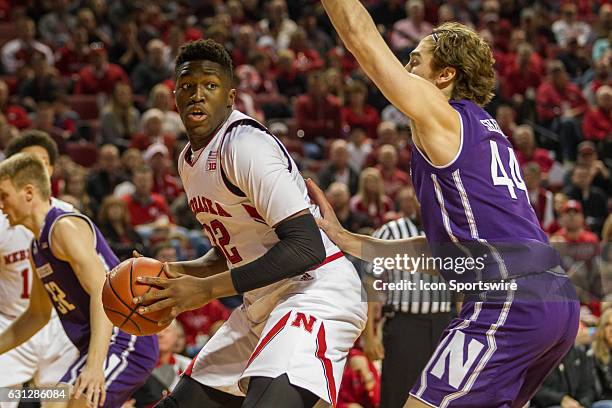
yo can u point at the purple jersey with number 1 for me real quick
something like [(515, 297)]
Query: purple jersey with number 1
[(130, 359), (505, 341)]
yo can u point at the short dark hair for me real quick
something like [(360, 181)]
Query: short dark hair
[(205, 50), (33, 138)]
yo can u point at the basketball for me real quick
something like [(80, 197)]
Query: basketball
[(121, 287)]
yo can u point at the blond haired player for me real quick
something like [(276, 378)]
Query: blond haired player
[(48, 354)]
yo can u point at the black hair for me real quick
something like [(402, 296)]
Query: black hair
[(205, 50), (33, 138)]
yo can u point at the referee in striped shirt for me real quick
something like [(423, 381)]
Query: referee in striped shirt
[(415, 319)]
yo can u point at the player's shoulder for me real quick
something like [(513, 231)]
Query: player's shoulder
[(247, 135)]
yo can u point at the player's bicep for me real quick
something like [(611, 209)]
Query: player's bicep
[(73, 240), (260, 168)]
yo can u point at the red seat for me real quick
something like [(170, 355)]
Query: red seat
[(85, 105), (84, 154)]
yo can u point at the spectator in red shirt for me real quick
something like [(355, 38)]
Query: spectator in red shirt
[(526, 150), (371, 199), (540, 198), (151, 124), (158, 158), (317, 114), (356, 112), (520, 81), (579, 249), (393, 178), (597, 123), (560, 105), (145, 206), (306, 57), (15, 115), (74, 55), (593, 200), (361, 382), (200, 324), (99, 76)]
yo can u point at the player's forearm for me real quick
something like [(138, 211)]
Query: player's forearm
[(367, 248), (210, 264), (369, 330), (101, 331), (353, 24), (22, 329)]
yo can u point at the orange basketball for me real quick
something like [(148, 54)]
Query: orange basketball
[(121, 287)]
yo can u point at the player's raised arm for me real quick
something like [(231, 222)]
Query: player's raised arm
[(32, 320), (72, 240), (420, 99)]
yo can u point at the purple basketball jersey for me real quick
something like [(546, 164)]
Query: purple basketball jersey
[(478, 204), (69, 298), (130, 359)]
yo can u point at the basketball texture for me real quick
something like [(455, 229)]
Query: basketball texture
[(121, 287)]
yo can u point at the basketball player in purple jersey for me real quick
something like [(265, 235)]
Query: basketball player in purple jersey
[(71, 258), (474, 203)]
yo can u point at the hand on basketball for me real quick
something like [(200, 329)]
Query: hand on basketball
[(91, 385), (179, 293), (329, 223)]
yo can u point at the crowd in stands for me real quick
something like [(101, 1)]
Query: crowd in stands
[(97, 76)]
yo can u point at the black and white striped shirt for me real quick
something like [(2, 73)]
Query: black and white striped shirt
[(414, 301)]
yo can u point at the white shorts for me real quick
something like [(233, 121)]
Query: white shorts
[(44, 358), (303, 328)]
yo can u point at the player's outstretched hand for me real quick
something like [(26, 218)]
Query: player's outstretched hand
[(179, 293), (329, 223), (90, 384)]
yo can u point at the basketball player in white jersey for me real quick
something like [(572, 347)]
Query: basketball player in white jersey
[(287, 345), (48, 354)]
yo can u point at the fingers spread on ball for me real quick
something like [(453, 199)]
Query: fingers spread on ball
[(154, 307)]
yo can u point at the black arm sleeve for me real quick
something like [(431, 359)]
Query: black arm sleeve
[(299, 249)]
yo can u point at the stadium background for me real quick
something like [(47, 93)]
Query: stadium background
[(97, 76)]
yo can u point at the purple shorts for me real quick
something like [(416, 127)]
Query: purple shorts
[(129, 362), (499, 350)]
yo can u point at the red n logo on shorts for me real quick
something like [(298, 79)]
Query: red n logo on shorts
[(302, 321)]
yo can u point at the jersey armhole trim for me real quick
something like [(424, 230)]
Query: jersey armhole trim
[(461, 138), (89, 222)]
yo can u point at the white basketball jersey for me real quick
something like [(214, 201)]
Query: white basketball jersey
[(267, 188), (15, 269)]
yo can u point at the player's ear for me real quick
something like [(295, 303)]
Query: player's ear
[(446, 76), (28, 191), (231, 97)]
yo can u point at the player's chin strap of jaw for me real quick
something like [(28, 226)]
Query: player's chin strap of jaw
[(299, 249)]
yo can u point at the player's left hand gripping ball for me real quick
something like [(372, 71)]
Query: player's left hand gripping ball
[(179, 293)]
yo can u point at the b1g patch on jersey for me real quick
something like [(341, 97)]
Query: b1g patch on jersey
[(211, 161), (44, 270)]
